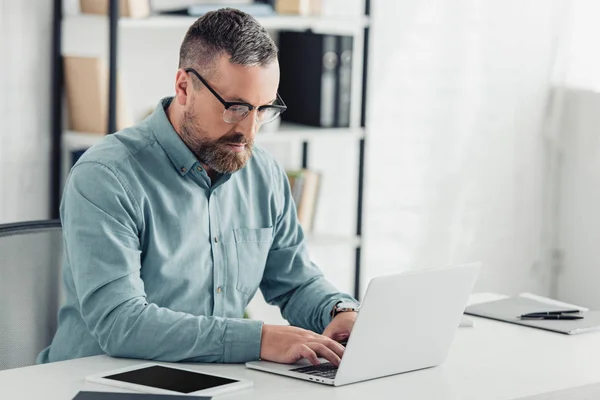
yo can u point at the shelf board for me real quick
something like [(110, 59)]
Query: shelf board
[(318, 24), (297, 132), (72, 140), (322, 24), (287, 132)]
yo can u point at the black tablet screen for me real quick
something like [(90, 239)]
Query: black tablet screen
[(173, 379)]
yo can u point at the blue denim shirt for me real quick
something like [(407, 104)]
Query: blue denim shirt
[(160, 262)]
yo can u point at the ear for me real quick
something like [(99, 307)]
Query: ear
[(183, 87)]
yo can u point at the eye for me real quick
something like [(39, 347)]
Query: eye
[(239, 109)]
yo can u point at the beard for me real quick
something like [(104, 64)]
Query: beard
[(216, 154)]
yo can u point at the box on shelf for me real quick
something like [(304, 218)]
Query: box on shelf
[(127, 8), (305, 185), (298, 7), (86, 86)]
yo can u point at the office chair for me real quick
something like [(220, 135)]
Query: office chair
[(30, 289)]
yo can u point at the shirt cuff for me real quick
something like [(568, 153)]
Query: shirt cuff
[(242, 340)]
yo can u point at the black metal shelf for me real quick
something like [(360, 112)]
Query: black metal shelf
[(303, 134)]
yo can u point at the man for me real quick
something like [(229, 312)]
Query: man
[(172, 225)]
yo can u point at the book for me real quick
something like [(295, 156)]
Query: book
[(86, 86), (308, 199), (304, 186), (296, 178)]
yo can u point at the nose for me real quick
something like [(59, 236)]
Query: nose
[(249, 126)]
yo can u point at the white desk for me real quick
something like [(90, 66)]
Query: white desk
[(493, 360)]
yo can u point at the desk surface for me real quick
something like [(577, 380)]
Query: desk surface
[(493, 360)]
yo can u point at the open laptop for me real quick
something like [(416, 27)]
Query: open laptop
[(406, 322)]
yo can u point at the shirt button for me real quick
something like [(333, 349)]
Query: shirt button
[(216, 239), (199, 168), (219, 290), (183, 169)]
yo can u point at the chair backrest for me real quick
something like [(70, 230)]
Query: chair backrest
[(30, 289)]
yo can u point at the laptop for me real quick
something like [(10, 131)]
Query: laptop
[(406, 322)]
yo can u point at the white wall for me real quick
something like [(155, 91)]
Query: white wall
[(25, 38), (579, 229), (579, 279), (457, 155), (584, 61)]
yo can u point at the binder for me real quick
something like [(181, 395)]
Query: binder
[(316, 78), (344, 81)]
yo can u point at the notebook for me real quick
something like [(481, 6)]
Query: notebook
[(508, 310), (587, 392)]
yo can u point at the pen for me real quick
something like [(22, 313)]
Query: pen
[(554, 316), (535, 314)]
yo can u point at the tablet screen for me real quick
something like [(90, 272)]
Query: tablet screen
[(173, 379)]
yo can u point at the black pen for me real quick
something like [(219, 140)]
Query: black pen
[(535, 314), (541, 317)]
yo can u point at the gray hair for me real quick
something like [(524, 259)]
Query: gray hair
[(226, 31)]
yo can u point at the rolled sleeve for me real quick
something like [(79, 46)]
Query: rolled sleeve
[(242, 340)]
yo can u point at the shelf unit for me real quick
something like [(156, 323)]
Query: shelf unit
[(64, 142)]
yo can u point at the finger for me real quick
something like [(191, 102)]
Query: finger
[(339, 336), (325, 352), (335, 331), (329, 342), (342, 337), (308, 353), (332, 344)]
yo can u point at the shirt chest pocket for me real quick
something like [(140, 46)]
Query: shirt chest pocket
[(252, 248)]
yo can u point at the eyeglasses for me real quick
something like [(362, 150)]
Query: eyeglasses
[(237, 111)]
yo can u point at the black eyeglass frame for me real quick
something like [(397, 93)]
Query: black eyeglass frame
[(229, 104)]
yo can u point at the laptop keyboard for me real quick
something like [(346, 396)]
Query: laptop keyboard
[(325, 370)]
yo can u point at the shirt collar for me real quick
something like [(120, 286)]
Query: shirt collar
[(180, 155)]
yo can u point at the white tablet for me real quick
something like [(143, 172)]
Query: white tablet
[(161, 379)]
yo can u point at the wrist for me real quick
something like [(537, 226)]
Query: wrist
[(264, 333), (344, 307)]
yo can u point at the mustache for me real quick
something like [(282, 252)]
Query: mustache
[(236, 138)]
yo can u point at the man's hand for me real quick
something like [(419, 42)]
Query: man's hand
[(340, 327), (288, 344)]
